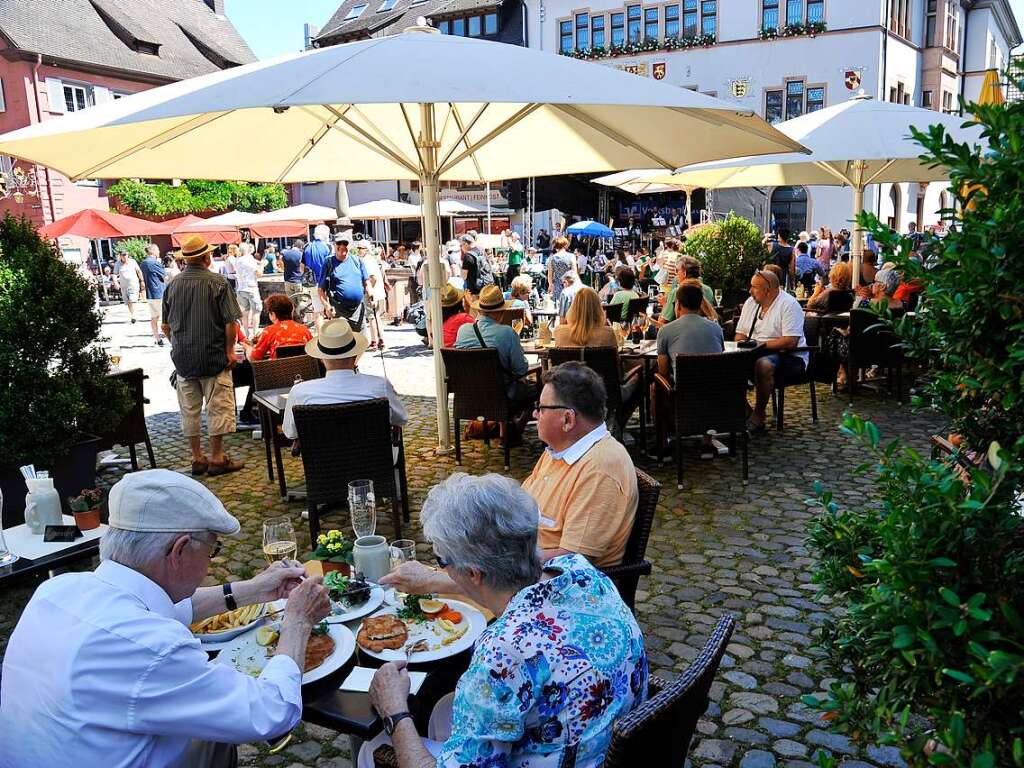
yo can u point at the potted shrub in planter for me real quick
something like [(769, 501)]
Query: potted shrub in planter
[(56, 393), (729, 251), (333, 551), (86, 508)]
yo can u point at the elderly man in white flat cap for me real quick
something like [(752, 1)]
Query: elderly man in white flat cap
[(102, 668), (339, 347)]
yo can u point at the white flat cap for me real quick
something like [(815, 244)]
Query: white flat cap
[(160, 500)]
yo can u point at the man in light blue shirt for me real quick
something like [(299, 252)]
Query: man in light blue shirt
[(488, 332), (102, 668)]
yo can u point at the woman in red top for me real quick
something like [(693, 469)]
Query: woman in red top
[(282, 332), (453, 313)]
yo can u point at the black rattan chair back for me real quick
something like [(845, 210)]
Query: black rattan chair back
[(132, 428), (603, 360), (839, 301), (290, 350), (275, 374), (476, 380), (711, 392), (659, 731), (342, 443)]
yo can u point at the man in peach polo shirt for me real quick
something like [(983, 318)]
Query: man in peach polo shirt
[(585, 482)]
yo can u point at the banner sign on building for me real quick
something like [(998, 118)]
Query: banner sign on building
[(634, 69)]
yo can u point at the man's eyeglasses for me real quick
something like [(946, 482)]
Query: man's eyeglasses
[(214, 545), (538, 407), (441, 562)]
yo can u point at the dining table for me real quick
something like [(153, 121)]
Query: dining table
[(350, 711), (37, 556)]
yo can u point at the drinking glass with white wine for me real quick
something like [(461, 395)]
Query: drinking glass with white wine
[(115, 355), (279, 542), (517, 325)]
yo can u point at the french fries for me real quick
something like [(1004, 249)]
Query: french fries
[(228, 620)]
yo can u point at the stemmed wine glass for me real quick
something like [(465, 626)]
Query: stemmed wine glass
[(362, 506), (718, 297), (279, 541)]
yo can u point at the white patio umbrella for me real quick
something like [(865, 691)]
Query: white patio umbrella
[(378, 210), (638, 182), (419, 106), (309, 213), (856, 143)]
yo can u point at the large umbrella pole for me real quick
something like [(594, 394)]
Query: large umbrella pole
[(857, 246), (432, 244)]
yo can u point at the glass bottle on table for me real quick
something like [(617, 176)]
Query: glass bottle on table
[(6, 556)]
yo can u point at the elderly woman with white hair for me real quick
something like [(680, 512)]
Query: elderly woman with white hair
[(563, 660)]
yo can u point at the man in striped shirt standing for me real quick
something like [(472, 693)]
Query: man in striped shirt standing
[(200, 318)]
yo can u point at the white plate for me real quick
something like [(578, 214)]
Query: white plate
[(246, 655), (374, 602), (230, 634), (477, 625)]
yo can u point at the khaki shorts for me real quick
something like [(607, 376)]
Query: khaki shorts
[(155, 307), (314, 294), (248, 301), (218, 395)]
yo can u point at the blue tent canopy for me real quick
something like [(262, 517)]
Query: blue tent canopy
[(589, 228)]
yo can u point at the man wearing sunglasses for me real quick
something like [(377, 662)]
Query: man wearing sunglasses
[(102, 668)]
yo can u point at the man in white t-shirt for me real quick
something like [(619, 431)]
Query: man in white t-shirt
[(775, 319)]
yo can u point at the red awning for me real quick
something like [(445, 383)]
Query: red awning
[(214, 234), (279, 229), (172, 225), (94, 223)]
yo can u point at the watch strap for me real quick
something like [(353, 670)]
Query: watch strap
[(229, 598), (392, 721)]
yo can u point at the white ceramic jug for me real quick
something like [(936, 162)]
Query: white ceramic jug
[(42, 505), (371, 556)]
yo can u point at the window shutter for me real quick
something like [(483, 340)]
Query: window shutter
[(55, 89), (101, 95)]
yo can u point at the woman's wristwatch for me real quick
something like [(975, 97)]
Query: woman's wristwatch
[(390, 721)]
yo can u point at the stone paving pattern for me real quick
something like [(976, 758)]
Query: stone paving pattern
[(718, 547)]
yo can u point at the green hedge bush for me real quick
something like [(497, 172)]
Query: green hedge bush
[(196, 196), (54, 388), (729, 251)]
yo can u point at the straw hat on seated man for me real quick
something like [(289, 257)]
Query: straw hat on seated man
[(102, 668), (340, 347)]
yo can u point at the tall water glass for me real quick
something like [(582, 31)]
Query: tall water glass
[(6, 556), (362, 506)]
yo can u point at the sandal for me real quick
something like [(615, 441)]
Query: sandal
[(200, 467)]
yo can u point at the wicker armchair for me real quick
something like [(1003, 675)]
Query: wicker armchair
[(710, 393), (605, 361), (132, 428), (475, 378), (821, 369), (873, 342), (276, 374), (626, 576), (659, 731), (346, 442)]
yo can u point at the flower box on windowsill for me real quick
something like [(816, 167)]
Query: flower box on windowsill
[(643, 46), (810, 29)]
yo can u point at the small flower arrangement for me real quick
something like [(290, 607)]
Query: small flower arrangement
[(332, 547), (88, 500)]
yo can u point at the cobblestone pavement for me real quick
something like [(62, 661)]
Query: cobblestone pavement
[(718, 547)]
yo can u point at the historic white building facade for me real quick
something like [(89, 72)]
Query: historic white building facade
[(784, 58)]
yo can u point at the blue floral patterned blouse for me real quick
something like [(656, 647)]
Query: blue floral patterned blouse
[(553, 672)]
